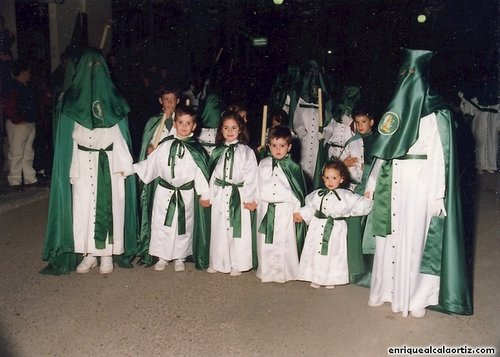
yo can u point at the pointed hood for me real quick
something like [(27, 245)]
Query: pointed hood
[(92, 99), (412, 101)]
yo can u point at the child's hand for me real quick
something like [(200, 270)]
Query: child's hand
[(251, 206), (369, 195), (259, 148), (350, 161), (297, 218), (150, 149), (205, 203)]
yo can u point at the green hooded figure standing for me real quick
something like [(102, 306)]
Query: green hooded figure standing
[(417, 217), (92, 209)]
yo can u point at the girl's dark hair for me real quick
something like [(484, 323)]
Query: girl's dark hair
[(341, 168), (243, 136), (280, 132)]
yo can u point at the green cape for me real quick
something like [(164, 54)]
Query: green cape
[(444, 254), (59, 244), (201, 229)]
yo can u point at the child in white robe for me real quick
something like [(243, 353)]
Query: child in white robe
[(178, 162), (233, 194), (324, 259), (282, 188)]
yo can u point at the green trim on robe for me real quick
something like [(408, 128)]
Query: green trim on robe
[(297, 181), (444, 253), (146, 194), (201, 229)]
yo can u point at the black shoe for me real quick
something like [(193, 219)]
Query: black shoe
[(16, 188)]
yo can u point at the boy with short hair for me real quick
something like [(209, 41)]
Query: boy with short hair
[(160, 126), (355, 150), (282, 189), (179, 166), (157, 128)]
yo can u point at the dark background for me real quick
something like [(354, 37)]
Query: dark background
[(364, 37)]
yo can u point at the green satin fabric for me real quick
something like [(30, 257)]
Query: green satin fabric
[(103, 227), (176, 202), (327, 231), (267, 224), (320, 162), (201, 229), (210, 109), (455, 293), (58, 249), (295, 177), (234, 206), (177, 150), (350, 97), (381, 210), (413, 100), (92, 99)]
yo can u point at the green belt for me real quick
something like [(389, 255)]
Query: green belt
[(382, 210), (308, 106), (267, 225), (234, 206), (328, 229), (103, 226), (176, 201), (412, 157)]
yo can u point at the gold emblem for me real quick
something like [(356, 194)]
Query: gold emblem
[(97, 110), (389, 123)]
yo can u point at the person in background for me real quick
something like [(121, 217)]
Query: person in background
[(21, 114)]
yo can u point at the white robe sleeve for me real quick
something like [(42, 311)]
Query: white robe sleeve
[(122, 159)]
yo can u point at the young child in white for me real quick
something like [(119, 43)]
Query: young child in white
[(178, 161), (233, 193), (324, 259), (352, 155), (282, 188)]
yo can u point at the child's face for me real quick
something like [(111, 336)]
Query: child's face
[(332, 178), (184, 125), (363, 124), (169, 101), (230, 130), (279, 147)]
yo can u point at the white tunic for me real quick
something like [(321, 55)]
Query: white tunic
[(355, 149), (166, 243), (227, 252), (330, 269), (485, 129), (83, 177), (336, 135), (418, 188), (207, 139), (278, 261), (306, 126)]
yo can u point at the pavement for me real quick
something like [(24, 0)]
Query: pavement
[(13, 198), (141, 312)]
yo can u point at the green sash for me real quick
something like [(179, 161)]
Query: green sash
[(103, 226), (234, 206), (176, 201)]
